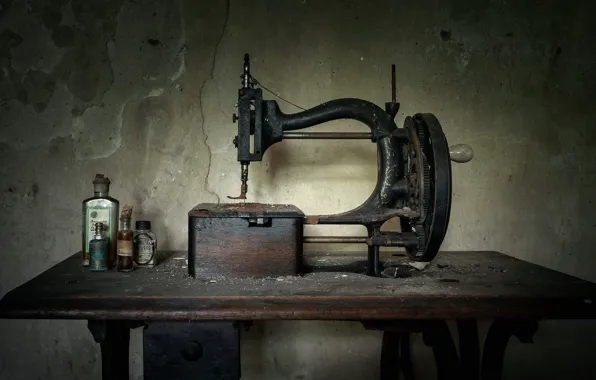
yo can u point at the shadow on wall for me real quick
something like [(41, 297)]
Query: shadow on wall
[(310, 350)]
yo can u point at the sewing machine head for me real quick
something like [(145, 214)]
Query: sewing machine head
[(414, 168)]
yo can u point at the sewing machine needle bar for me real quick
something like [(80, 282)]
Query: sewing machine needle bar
[(328, 135)]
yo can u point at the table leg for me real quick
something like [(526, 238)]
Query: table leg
[(405, 357), (469, 349), (390, 355), (114, 339), (438, 336), (396, 355), (496, 343)]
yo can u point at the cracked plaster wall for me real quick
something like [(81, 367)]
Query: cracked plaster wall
[(143, 91)]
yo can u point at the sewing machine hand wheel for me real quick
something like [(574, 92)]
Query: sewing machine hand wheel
[(428, 173)]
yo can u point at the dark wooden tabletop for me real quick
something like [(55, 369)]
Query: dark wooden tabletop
[(457, 285)]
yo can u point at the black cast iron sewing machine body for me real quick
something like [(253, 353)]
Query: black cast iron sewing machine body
[(413, 182)]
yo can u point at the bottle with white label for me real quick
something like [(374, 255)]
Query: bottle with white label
[(101, 208), (144, 244)]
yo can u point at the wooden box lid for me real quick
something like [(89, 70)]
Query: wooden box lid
[(245, 210)]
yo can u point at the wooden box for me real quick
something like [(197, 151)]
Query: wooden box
[(244, 240)]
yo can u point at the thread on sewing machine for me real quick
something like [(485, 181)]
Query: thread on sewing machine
[(256, 82)]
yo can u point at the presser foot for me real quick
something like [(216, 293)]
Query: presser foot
[(243, 180)]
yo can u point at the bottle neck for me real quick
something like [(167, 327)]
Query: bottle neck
[(125, 224), (102, 194)]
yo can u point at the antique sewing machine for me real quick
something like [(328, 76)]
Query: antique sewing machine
[(413, 184)]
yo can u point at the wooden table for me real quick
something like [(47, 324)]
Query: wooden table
[(462, 286)]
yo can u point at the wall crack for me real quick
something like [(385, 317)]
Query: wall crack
[(212, 71), (109, 41)]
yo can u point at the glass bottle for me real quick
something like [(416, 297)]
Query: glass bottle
[(101, 208), (145, 244), (125, 235), (98, 250)]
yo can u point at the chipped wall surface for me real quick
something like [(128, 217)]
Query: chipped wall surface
[(143, 91)]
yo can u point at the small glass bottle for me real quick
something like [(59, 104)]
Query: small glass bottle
[(101, 208), (144, 244), (98, 250), (125, 260)]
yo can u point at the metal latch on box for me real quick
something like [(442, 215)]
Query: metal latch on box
[(259, 222)]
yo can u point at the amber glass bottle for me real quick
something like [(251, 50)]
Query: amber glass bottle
[(125, 242)]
